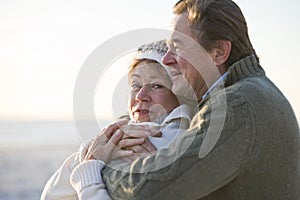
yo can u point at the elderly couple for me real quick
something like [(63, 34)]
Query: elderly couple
[(205, 122)]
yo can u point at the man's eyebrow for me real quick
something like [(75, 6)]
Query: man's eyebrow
[(176, 40)]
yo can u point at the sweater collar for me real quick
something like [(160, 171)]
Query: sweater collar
[(245, 67)]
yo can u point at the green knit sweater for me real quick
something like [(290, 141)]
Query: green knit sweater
[(243, 144)]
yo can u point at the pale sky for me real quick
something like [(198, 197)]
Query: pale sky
[(45, 43)]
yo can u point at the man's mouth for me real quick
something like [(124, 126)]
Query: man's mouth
[(175, 73)]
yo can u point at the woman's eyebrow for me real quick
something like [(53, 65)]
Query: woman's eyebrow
[(135, 75)]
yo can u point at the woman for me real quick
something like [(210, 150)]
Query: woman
[(156, 119)]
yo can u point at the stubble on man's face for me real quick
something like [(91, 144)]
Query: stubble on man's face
[(193, 61)]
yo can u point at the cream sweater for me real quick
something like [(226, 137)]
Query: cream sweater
[(76, 179)]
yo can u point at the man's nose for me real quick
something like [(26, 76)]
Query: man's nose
[(169, 58)]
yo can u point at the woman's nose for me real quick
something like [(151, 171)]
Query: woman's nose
[(143, 94)]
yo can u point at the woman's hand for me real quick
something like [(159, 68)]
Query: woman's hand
[(120, 140), (104, 146), (135, 138)]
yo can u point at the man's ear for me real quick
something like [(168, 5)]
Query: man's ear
[(221, 52)]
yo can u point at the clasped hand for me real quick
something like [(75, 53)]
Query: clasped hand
[(122, 140)]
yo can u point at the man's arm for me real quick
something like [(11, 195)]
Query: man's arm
[(190, 177)]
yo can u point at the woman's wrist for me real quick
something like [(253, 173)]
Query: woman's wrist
[(87, 173)]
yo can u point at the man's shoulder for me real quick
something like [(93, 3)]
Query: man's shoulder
[(253, 89)]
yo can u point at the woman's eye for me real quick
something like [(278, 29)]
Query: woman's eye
[(156, 86), (135, 86)]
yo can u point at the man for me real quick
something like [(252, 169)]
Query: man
[(243, 142)]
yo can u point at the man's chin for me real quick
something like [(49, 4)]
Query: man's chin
[(181, 88)]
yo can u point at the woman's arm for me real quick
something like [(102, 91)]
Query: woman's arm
[(58, 186), (87, 181), (86, 178)]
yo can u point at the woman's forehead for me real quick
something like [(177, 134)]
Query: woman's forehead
[(149, 69)]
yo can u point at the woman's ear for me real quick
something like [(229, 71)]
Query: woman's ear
[(221, 52)]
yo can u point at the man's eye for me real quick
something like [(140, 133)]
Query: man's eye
[(175, 44), (172, 45), (178, 47)]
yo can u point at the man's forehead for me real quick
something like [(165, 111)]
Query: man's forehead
[(179, 22), (174, 21), (181, 28)]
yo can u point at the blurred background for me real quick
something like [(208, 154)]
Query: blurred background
[(43, 47)]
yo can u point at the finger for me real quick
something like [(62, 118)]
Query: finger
[(120, 153), (124, 143), (89, 154), (158, 134), (137, 149), (148, 146), (84, 153), (134, 126), (138, 127), (99, 140), (114, 140), (136, 131), (108, 131), (155, 130)]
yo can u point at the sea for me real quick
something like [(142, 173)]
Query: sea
[(31, 151)]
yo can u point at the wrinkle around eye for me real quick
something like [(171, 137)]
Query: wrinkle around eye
[(135, 86), (157, 86)]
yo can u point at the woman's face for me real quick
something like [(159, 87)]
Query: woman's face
[(150, 95)]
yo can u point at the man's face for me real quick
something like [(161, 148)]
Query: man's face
[(191, 66)]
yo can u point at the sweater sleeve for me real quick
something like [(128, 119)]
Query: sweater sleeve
[(86, 179), (58, 186), (189, 174)]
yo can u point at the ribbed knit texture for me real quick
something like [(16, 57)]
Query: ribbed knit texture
[(244, 68), (86, 174)]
